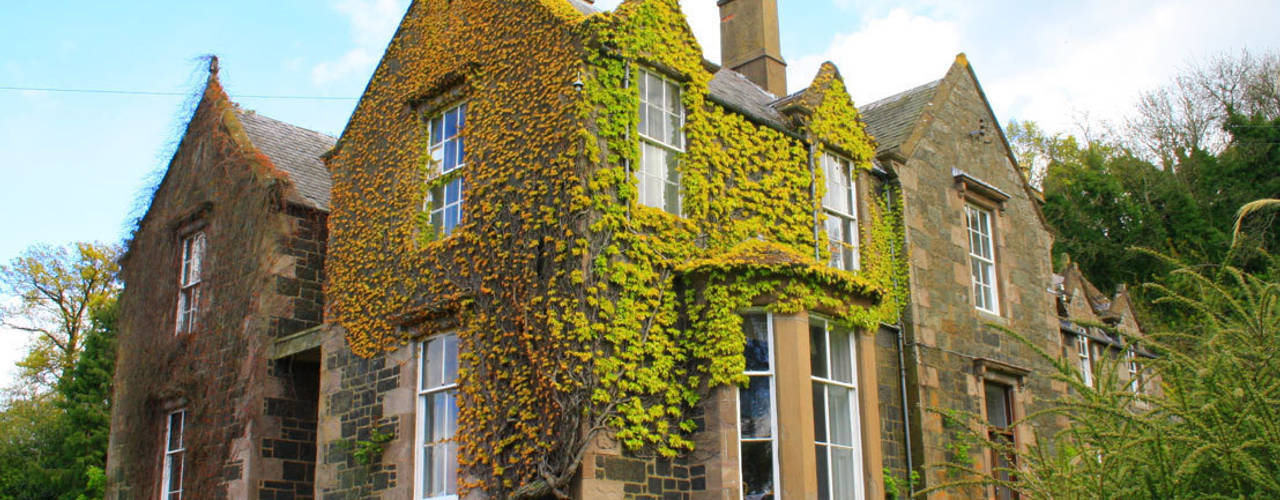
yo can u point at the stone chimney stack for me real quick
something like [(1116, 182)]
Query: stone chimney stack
[(749, 42)]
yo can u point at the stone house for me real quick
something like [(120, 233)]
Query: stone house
[(564, 255)]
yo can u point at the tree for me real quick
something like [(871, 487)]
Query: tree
[(56, 288), (1213, 431), (86, 404), (1190, 113)]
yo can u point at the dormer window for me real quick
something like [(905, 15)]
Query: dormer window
[(841, 206), (189, 282), (444, 200), (661, 132)]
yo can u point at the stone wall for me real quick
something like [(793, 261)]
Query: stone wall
[(301, 281), (947, 334), (288, 443), (358, 395)]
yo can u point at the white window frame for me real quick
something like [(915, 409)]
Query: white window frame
[(982, 268), (671, 177), (171, 454), (855, 407), (437, 150), (773, 412), (1131, 360), (194, 247), (423, 394), (1085, 359), (850, 242)]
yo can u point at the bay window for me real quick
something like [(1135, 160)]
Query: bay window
[(837, 442)]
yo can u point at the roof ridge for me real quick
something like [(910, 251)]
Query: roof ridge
[(247, 112)]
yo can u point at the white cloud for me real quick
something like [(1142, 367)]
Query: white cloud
[(356, 61), (1045, 62), (372, 24), (886, 55)]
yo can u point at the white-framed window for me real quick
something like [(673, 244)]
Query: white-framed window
[(189, 282), (1086, 362), (661, 132), (437, 453), (448, 154), (757, 412), (837, 435), (1131, 359), (982, 258), (841, 206), (175, 451)]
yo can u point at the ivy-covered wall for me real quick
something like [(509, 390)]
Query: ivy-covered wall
[(580, 313), (219, 183)]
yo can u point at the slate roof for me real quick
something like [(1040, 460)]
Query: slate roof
[(584, 7), (729, 88), (296, 152), (889, 120)]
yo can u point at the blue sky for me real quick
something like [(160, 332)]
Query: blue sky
[(73, 166)]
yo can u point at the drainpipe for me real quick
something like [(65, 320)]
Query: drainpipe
[(626, 84), (902, 363), (813, 198)]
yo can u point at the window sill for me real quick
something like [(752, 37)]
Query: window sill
[(989, 317)]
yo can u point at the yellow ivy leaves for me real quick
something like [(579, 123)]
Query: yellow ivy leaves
[(574, 309)]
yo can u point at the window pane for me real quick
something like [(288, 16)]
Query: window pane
[(842, 473), (175, 471), (439, 412), (644, 119), (657, 125), (450, 469), (824, 478), (841, 355), (450, 359), (997, 405), (431, 364), (655, 87), (757, 470), (755, 328), (437, 130), (819, 412), (451, 124), (175, 431), (841, 419), (462, 117), (462, 158), (818, 349), (428, 467), (450, 156), (642, 86), (754, 402), (451, 217), (437, 156), (674, 132)]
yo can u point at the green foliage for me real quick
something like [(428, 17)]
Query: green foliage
[(86, 404), (54, 444), (1205, 423), (369, 451), (57, 288), (896, 487)]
